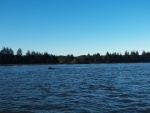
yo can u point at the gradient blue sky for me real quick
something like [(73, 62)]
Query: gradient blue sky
[(75, 27)]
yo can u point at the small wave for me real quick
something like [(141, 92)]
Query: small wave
[(10, 111), (127, 100)]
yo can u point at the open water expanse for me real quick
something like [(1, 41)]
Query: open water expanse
[(92, 88)]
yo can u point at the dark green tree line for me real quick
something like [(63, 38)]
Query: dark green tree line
[(7, 56)]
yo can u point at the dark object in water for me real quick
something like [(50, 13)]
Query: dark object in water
[(51, 68)]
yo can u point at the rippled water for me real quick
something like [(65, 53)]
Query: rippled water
[(102, 88)]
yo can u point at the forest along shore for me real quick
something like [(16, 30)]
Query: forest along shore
[(7, 57)]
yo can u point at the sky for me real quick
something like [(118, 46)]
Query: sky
[(77, 27)]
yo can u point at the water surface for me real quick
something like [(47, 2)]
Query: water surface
[(92, 88)]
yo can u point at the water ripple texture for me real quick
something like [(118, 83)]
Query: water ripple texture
[(90, 88)]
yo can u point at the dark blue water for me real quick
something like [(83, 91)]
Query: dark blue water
[(102, 88)]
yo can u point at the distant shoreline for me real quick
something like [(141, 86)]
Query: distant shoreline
[(23, 64), (70, 64), (7, 58)]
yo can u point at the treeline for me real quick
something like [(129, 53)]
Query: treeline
[(7, 56)]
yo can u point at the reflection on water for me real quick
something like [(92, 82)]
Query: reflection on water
[(75, 88)]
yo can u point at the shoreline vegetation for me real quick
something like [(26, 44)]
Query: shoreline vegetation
[(7, 58)]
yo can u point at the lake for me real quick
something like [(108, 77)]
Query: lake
[(84, 88)]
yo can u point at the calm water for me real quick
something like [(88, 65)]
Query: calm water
[(105, 88)]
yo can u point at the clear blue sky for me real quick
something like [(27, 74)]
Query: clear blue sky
[(75, 27)]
